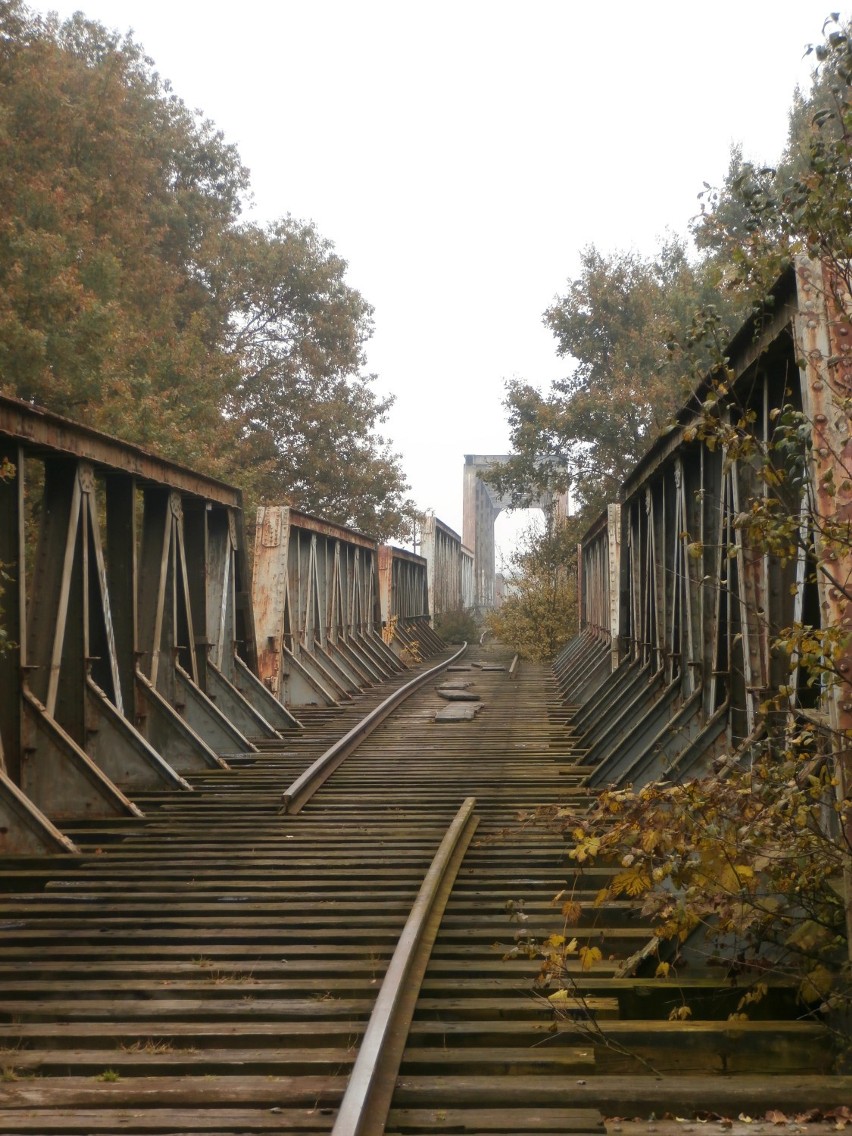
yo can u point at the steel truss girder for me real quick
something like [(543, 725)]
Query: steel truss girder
[(404, 592), (318, 619), (449, 568), (89, 713), (675, 586)]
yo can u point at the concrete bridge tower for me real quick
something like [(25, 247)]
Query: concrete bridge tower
[(482, 504)]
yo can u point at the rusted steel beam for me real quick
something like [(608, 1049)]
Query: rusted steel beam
[(403, 585), (173, 578), (43, 432), (747, 348), (296, 796), (310, 523), (824, 341), (441, 547), (316, 608), (405, 603), (81, 726), (367, 1100), (12, 545), (121, 492), (691, 601)]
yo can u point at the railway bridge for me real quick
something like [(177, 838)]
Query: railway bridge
[(262, 863)]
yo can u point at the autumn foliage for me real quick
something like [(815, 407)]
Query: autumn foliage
[(134, 297)]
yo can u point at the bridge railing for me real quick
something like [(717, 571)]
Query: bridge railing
[(128, 659), (672, 576), (450, 571), (404, 600), (318, 619)]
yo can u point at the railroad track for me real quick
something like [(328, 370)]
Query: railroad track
[(223, 965)]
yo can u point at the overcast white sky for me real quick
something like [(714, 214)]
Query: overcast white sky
[(460, 154)]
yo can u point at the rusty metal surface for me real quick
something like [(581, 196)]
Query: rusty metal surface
[(316, 608), (330, 528), (369, 1091), (675, 584), (403, 585), (104, 685), (824, 338), (450, 568), (41, 430), (824, 341)]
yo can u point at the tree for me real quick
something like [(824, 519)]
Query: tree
[(307, 410), (110, 191), (623, 320), (752, 224), (615, 322), (132, 296), (539, 612)]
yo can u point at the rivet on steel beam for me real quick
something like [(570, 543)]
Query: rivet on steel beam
[(847, 706), (817, 385), (844, 667), (823, 451), (812, 323), (820, 418)]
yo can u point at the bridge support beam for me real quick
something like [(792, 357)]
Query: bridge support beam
[(316, 605), (97, 617)]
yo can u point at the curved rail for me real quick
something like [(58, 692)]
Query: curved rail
[(364, 1108), (306, 784)]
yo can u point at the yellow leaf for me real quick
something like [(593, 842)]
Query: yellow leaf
[(816, 984), (662, 970), (589, 956)]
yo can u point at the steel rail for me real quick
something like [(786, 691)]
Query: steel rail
[(306, 784), (367, 1100)]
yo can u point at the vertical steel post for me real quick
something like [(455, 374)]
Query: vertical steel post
[(12, 606)]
